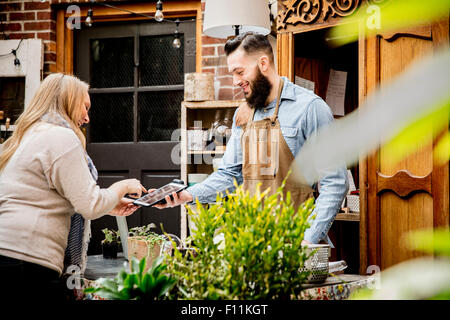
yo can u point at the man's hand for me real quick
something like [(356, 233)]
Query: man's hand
[(125, 207), (178, 199)]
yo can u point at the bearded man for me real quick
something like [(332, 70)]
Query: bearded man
[(267, 135)]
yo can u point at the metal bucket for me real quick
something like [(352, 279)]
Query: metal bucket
[(317, 263)]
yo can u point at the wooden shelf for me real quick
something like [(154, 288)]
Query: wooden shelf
[(217, 104), (353, 216), (205, 152)]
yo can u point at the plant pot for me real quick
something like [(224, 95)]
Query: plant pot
[(140, 248), (110, 250)]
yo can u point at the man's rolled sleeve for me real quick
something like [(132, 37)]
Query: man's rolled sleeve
[(333, 185)]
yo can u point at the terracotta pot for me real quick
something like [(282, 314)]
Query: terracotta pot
[(140, 248)]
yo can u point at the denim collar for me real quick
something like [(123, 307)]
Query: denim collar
[(288, 93)]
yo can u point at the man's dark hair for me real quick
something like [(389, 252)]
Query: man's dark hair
[(250, 42)]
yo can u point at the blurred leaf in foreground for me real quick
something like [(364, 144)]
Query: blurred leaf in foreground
[(422, 278), (421, 91), (435, 242), (418, 132), (389, 16)]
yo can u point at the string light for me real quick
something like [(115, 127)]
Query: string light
[(16, 60), (176, 41), (14, 52), (159, 16), (89, 16)]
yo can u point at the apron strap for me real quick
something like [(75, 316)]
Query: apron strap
[(274, 117)]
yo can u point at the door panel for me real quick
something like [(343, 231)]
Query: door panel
[(397, 217), (401, 196)]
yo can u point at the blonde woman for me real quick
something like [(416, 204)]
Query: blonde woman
[(45, 177)]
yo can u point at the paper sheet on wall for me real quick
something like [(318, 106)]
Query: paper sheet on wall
[(336, 91), (304, 83)]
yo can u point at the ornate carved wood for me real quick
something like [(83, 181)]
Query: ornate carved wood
[(293, 12), (403, 183)]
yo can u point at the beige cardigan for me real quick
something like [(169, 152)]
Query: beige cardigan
[(43, 184)]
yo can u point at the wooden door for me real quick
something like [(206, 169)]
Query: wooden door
[(136, 82), (413, 193)]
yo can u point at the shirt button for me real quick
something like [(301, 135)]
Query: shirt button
[(265, 110)]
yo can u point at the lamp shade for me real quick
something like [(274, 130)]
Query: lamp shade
[(222, 15)]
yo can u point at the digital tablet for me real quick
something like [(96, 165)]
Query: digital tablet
[(158, 196)]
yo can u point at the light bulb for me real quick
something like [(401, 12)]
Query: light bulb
[(89, 18), (17, 64), (176, 43), (89, 21), (159, 16)]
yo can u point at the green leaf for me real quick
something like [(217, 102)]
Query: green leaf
[(166, 286), (431, 241), (108, 284), (135, 264), (130, 281), (441, 151), (147, 283), (417, 133)]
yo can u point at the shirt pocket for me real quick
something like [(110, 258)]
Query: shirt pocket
[(290, 135)]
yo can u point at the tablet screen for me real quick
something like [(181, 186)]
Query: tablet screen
[(159, 194)]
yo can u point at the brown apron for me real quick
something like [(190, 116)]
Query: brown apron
[(267, 157)]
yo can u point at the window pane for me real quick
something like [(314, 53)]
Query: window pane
[(160, 62), (112, 62), (158, 114), (111, 117)]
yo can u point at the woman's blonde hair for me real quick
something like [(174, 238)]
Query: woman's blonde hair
[(60, 93)]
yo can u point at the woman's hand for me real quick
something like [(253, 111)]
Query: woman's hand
[(135, 187), (128, 186), (125, 207)]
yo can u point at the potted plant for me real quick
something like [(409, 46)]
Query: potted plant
[(110, 245), (244, 247), (138, 284), (144, 243)]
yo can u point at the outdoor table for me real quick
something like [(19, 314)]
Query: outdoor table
[(336, 287)]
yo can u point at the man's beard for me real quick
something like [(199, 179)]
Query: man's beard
[(260, 89)]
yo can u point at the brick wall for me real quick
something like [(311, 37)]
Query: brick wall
[(30, 20), (214, 61), (24, 19)]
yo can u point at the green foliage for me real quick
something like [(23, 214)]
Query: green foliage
[(111, 236), (136, 285), (246, 247), (141, 231)]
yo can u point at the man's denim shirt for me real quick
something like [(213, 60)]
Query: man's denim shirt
[(301, 114)]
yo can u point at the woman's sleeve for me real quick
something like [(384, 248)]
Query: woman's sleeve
[(69, 175)]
